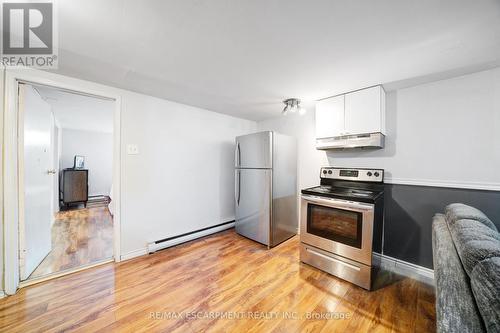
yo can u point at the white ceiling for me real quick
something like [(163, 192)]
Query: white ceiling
[(73, 111), (244, 57)]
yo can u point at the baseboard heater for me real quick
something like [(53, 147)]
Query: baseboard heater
[(175, 240)]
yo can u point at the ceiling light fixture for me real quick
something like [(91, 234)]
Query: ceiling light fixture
[(293, 105)]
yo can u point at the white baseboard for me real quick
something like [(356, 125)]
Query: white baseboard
[(407, 269), (134, 253), (2, 294), (153, 247)]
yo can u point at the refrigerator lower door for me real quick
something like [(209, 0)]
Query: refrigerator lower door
[(253, 203)]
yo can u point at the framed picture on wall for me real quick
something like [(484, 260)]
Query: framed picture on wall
[(79, 162)]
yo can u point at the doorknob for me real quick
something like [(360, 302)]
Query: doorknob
[(51, 172)]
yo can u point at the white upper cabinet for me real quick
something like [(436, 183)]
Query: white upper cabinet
[(359, 112), (365, 111), (330, 117)]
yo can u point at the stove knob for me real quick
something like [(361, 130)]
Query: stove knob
[(369, 174), (329, 172), (376, 174), (324, 172)]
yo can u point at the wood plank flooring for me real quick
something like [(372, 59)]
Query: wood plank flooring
[(79, 237), (221, 283)]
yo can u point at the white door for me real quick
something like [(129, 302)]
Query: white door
[(330, 117), (36, 159), (363, 111)]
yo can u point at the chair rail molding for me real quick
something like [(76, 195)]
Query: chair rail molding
[(444, 183)]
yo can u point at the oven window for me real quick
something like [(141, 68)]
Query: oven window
[(339, 225)]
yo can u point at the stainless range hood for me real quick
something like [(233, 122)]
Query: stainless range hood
[(368, 141)]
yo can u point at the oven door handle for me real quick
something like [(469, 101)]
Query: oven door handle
[(338, 203)]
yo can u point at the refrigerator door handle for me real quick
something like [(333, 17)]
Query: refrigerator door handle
[(237, 155), (237, 188)]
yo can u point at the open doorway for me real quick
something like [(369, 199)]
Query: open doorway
[(66, 159)]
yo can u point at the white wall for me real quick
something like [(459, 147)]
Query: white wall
[(441, 133), (97, 148), (183, 178)]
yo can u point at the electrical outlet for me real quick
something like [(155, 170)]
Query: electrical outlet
[(132, 149)]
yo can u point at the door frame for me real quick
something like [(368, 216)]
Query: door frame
[(12, 167)]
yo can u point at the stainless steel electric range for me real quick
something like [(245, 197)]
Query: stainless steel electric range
[(341, 224)]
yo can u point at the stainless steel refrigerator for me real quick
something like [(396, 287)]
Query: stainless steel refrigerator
[(266, 187)]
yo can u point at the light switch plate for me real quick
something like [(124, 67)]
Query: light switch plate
[(132, 149)]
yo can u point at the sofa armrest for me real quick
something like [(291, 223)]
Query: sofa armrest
[(456, 309)]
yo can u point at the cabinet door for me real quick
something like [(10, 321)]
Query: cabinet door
[(364, 111), (330, 117), (75, 186)]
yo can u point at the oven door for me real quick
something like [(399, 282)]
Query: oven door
[(338, 226)]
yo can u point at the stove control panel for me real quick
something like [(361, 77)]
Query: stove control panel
[(360, 175)]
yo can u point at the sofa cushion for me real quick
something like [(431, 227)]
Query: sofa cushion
[(485, 283), (472, 229), (474, 242), (458, 211)]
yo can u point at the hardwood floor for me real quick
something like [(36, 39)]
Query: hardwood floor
[(198, 286), (79, 237)]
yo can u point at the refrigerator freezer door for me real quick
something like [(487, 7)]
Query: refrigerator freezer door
[(253, 209), (254, 151)]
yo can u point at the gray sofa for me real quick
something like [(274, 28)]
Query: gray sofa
[(466, 253)]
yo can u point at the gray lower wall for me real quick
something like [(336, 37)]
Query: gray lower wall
[(408, 217)]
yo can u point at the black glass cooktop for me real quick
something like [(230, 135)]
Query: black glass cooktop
[(346, 193)]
